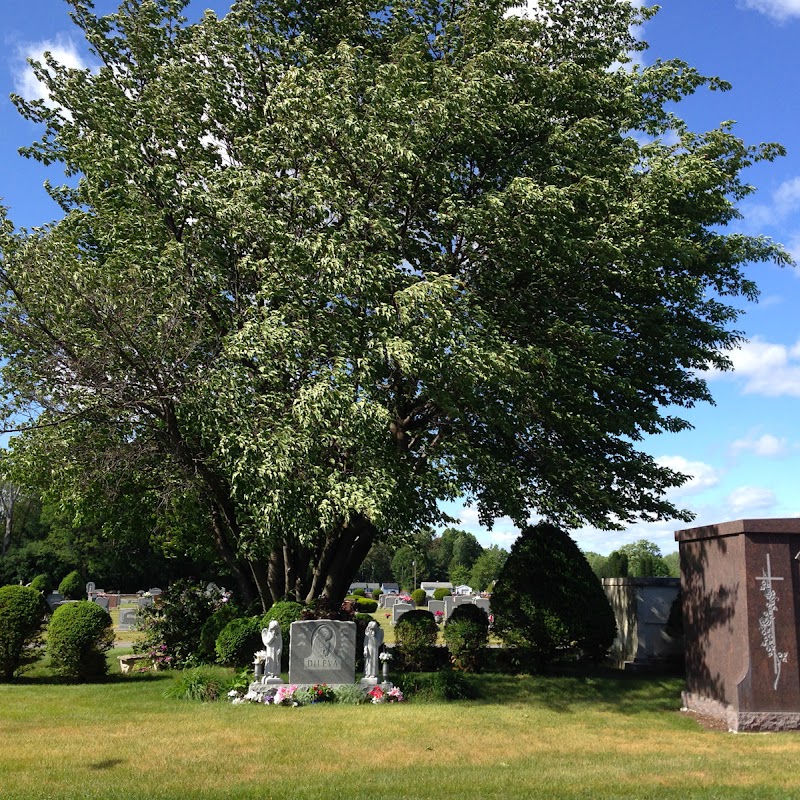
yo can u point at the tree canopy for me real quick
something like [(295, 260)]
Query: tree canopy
[(323, 265)]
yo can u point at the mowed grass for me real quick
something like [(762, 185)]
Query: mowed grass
[(607, 736)]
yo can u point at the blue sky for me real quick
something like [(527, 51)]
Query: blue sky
[(744, 453)]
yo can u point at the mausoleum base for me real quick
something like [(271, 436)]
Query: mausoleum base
[(742, 721)]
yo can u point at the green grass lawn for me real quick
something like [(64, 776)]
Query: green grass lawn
[(608, 736)]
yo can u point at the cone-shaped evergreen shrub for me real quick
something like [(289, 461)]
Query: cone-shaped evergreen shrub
[(73, 586), (548, 601)]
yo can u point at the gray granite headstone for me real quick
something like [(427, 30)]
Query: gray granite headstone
[(322, 651), (54, 598), (389, 600), (462, 600), (101, 601), (436, 605), (90, 587), (398, 609), (483, 602), (154, 592), (145, 601), (449, 605), (127, 619)]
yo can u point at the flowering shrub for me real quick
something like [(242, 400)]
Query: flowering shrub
[(176, 621), (160, 657)]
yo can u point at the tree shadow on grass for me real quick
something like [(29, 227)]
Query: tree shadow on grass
[(102, 680), (602, 689)]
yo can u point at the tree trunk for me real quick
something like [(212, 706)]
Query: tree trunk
[(245, 581), (344, 554), (9, 512)]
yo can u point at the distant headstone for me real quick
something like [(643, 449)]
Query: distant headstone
[(436, 605), (127, 619), (90, 588), (389, 600), (462, 600), (54, 598), (144, 601), (101, 601), (483, 602), (398, 609), (322, 651), (154, 592), (449, 605)]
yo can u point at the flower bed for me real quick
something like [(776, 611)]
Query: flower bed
[(290, 694)]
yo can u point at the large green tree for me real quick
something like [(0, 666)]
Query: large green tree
[(326, 264)]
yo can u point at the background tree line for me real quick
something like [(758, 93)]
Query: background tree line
[(454, 555), (641, 559)]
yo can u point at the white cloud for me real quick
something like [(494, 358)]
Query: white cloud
[(702, 476), (782, 203), (780, 10), (768, 369), (747, 499), (766, 446), (65, 52)]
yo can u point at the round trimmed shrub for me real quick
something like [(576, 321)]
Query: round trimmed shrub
[(366, 606), (73, 586), (415, 634), (466, 634), (420, 598), (22, 612), (238, 641), (212, 628), (41, 583), (548, 602), (78, 636), (359, 593), (376, 594), (441, 593)]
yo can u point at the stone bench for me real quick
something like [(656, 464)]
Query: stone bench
[(127, 663)]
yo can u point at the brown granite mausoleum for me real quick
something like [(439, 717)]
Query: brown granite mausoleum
[(740, 583)]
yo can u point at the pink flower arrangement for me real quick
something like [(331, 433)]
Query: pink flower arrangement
[(378, 695), (285, 695)]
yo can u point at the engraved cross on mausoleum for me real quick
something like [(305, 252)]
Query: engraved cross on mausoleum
[(766, 622)]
